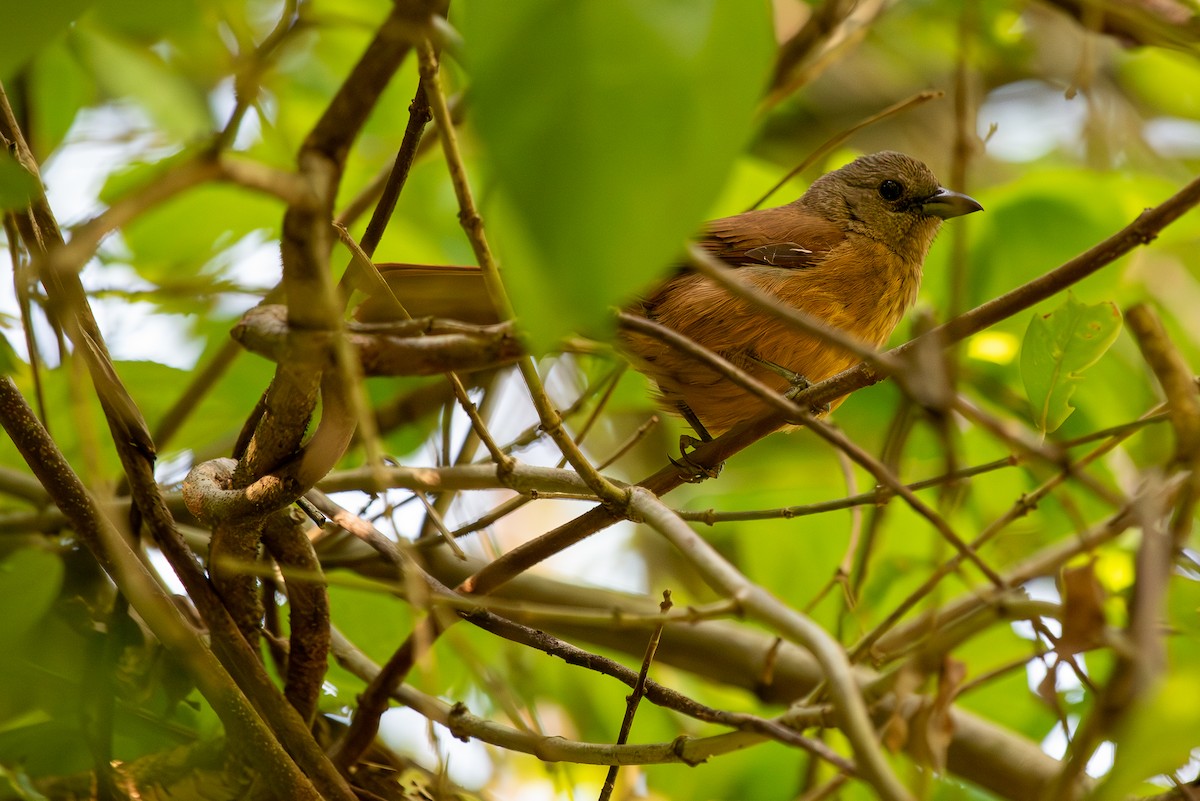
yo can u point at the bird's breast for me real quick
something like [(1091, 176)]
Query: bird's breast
[(864, 290)]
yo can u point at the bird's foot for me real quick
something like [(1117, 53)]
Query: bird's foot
[(692, 471), (796, 383)]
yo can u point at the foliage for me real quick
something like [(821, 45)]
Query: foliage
[(1057, 348), (1041, 579)]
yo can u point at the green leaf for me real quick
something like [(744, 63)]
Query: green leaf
[(9, 361), (28, 27), (1157, 737), (611, 126), (127, 71), (177, 237), (58, 87), (1058, 347), (17, 186), (30, 579)]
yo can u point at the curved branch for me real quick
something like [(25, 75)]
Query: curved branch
[(113, 553), (854, 720), (284, 536), (429, 347), (685, 749)]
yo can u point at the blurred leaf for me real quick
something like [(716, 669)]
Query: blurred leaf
[(9, 361), (1057, 348), (28, 27), (1168, 81), (1157, 736), (15, 783), (1043, 218), (30, 579), (146, 20), (188, 230), (17, 186), (139, 175), (127, 71), (611, 126), (58, 88)]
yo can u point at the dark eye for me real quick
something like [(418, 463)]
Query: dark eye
[(891, 190)]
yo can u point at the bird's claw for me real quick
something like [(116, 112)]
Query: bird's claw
[(692, 471), (795, 390), (796, 384)]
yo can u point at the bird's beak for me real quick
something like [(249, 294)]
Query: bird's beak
[(947, 204)]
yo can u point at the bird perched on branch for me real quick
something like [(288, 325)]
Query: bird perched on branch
[(848, 253)]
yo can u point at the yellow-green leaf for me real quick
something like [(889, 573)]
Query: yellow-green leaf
[(1058, 347), (1156, 737)]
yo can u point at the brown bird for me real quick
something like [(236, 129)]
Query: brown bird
[(849, 252)]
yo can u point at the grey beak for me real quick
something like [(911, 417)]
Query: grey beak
[(947, 204)]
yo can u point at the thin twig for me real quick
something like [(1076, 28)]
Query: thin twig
[(658, 694), (842, 136), (630, 441), (633, 699), (1019, 509), (889, 480), (875, 497), (440, 525), (246, 82)]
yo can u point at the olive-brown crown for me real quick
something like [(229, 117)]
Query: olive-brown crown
[(880, 196)]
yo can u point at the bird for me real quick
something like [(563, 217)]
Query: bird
[(849, 252)]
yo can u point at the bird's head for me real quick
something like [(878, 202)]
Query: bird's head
[(889, 197)]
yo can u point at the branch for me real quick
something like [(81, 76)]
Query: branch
[(113, 553), (684, 749), (286, 540), (135, 448), (854, 720), (264, 330), (176, 179)]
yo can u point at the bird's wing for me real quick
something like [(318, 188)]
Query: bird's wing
[(786, 236)]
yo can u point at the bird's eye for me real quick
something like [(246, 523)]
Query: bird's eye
[(891, 190)]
